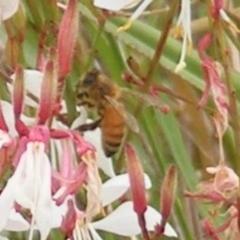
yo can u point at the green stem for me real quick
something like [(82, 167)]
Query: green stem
[(161, 43)]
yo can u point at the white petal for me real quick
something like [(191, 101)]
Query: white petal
[(8, 8), (123, 221), (44, 202), (16, 222), (94, 234), (81, 119), (4, 139), (140, 9), (115, 187), (24, 194), (6, 203), (7, 110), (8, 194), (114, 5), (152, 217), (3, 238), (33, 82), (57, 214), (28, 120), (104, 163), (77, 233), (34, 192)]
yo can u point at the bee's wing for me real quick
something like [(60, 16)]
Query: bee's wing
[(130, 120), (146, 98)]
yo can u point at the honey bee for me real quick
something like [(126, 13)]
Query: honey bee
[(99, 92)]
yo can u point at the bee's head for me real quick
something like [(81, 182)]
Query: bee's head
[(90, 78)]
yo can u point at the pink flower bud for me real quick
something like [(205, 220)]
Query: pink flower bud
[(12, 50), (168, 191), (48, 93), (69, 221), (67, 38), (18, 92), (137, 184)]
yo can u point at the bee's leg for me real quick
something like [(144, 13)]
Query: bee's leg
[(89, 126)]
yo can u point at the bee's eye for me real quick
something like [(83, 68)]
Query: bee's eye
[(89, 79)]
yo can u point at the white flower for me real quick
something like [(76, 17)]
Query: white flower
[(123, 4), (30, 189), (123, 220), (115, 5), (8, 8)]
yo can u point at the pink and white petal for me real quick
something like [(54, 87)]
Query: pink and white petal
[(16, 222), (114, 5), (115, 187), (8, 8), (104, 163), (123, 221)]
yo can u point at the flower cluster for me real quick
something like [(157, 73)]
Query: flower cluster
[(48, 193), (47, 174), (49, 165), (222, 191)]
